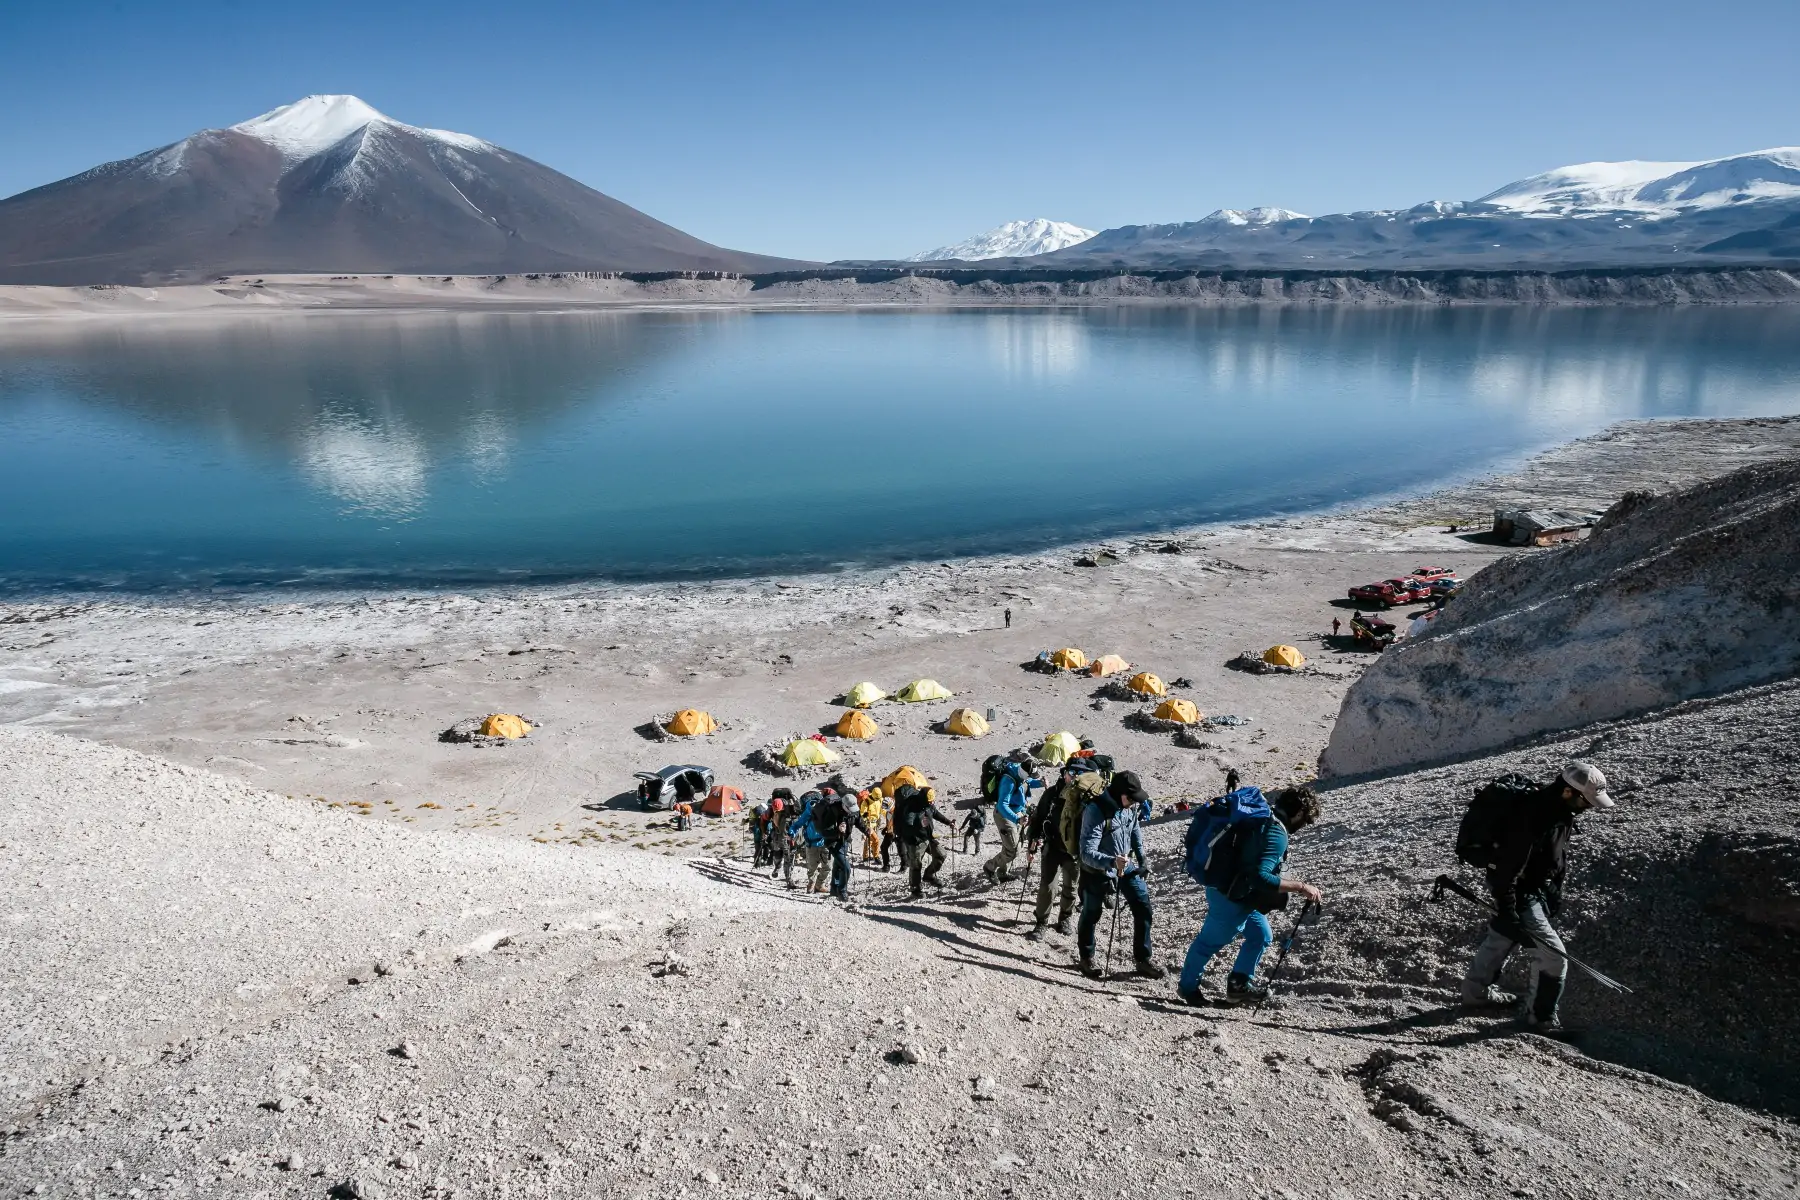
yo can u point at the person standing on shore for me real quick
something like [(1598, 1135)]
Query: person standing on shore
[(1113, 864)]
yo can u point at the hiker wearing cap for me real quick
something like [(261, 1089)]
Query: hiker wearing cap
[(805, 837), (1059, 869), (1012, 793), (781, 843), (837, 820), (1113, 864), (1525, 874), (1237, 846), (916, 816)]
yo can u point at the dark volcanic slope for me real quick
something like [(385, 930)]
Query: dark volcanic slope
[(386, 197)]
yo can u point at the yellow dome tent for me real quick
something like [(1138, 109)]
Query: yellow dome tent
[(808, 752), (1284, 656), (864, 695), (1146, 684), (691, 722), (923, 689), (1177, 709), (504, 725), (1108, 664), (859, 725), (1058, 747), (1069, 659), (966, 722), (902, 777)]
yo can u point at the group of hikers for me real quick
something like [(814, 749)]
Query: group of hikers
[(1085, 833)]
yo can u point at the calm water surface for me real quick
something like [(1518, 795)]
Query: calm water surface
[(412, 448)]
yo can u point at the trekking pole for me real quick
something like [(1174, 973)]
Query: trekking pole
[(1114, 935), (1444, 883), (1024, 884), (1287, 943)]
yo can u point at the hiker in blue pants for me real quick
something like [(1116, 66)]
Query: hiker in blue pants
[(1237, 846)]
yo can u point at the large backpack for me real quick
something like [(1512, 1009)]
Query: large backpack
[(991, 767), (1080, 791), (1215, 836), (1484, 821)]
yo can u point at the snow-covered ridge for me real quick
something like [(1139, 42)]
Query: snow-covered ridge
[(1253, 216), (316, 123), (1653, 189), (1015, 239)]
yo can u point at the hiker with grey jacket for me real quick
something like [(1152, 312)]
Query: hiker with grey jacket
[(1521, 838), (1113, 864)]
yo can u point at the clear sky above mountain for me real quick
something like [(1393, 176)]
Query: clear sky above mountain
[(831, 130)]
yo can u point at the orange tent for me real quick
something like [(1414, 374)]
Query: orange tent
[(691, 722), (900, 778), (1108, 664), (857, 724), (723, 801)]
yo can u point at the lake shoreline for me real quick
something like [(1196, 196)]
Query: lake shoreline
[(344, 694), (871, 287)]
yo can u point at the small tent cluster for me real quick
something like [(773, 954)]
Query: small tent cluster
[(504, 725), (864, 695), (966, 722), (1058, 748), (1068, 659), (691, 722), (808, 752), (921, 690), (1147, 685), (1285, 657), (1107, 664), (723, 801), (857, 724), (1179, 710)]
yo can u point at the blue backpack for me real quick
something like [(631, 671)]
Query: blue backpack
[(1215, 834)]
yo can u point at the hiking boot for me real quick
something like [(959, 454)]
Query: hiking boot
[(917, 893), (1241, 989), (1005, 876), (1194, 999), (1036, 934), (1091, 969), (1550, 1026), (1062, 926), (1145, 969), (988, 874), (1492, 998)]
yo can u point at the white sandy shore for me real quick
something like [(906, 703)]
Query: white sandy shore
[(553, 292), (342, 696)]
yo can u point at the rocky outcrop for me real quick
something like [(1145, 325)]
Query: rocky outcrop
[(1674, 597)]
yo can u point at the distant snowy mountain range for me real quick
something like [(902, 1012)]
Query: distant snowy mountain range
[(328, 184), (1015, 239), (1744, 207)]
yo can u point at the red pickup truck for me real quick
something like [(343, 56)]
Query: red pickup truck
[(1390, 592)]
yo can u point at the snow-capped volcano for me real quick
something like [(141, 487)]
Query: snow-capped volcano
[(305, 127), (1015, 239), (330, 184), (1654, 189)]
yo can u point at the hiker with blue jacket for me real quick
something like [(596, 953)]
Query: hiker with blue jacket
[(805, 835), (1237, 846), (1012, 792), (1113, 864)]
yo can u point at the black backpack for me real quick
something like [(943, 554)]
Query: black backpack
[(991, 766), (1484, 822)]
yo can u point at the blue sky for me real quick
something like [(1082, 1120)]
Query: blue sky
[(850, 129)]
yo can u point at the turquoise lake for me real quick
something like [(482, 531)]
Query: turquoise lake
[(416, 449)]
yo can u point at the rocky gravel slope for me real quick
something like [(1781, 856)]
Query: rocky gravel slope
[(717, 1036), (1676, 596)]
